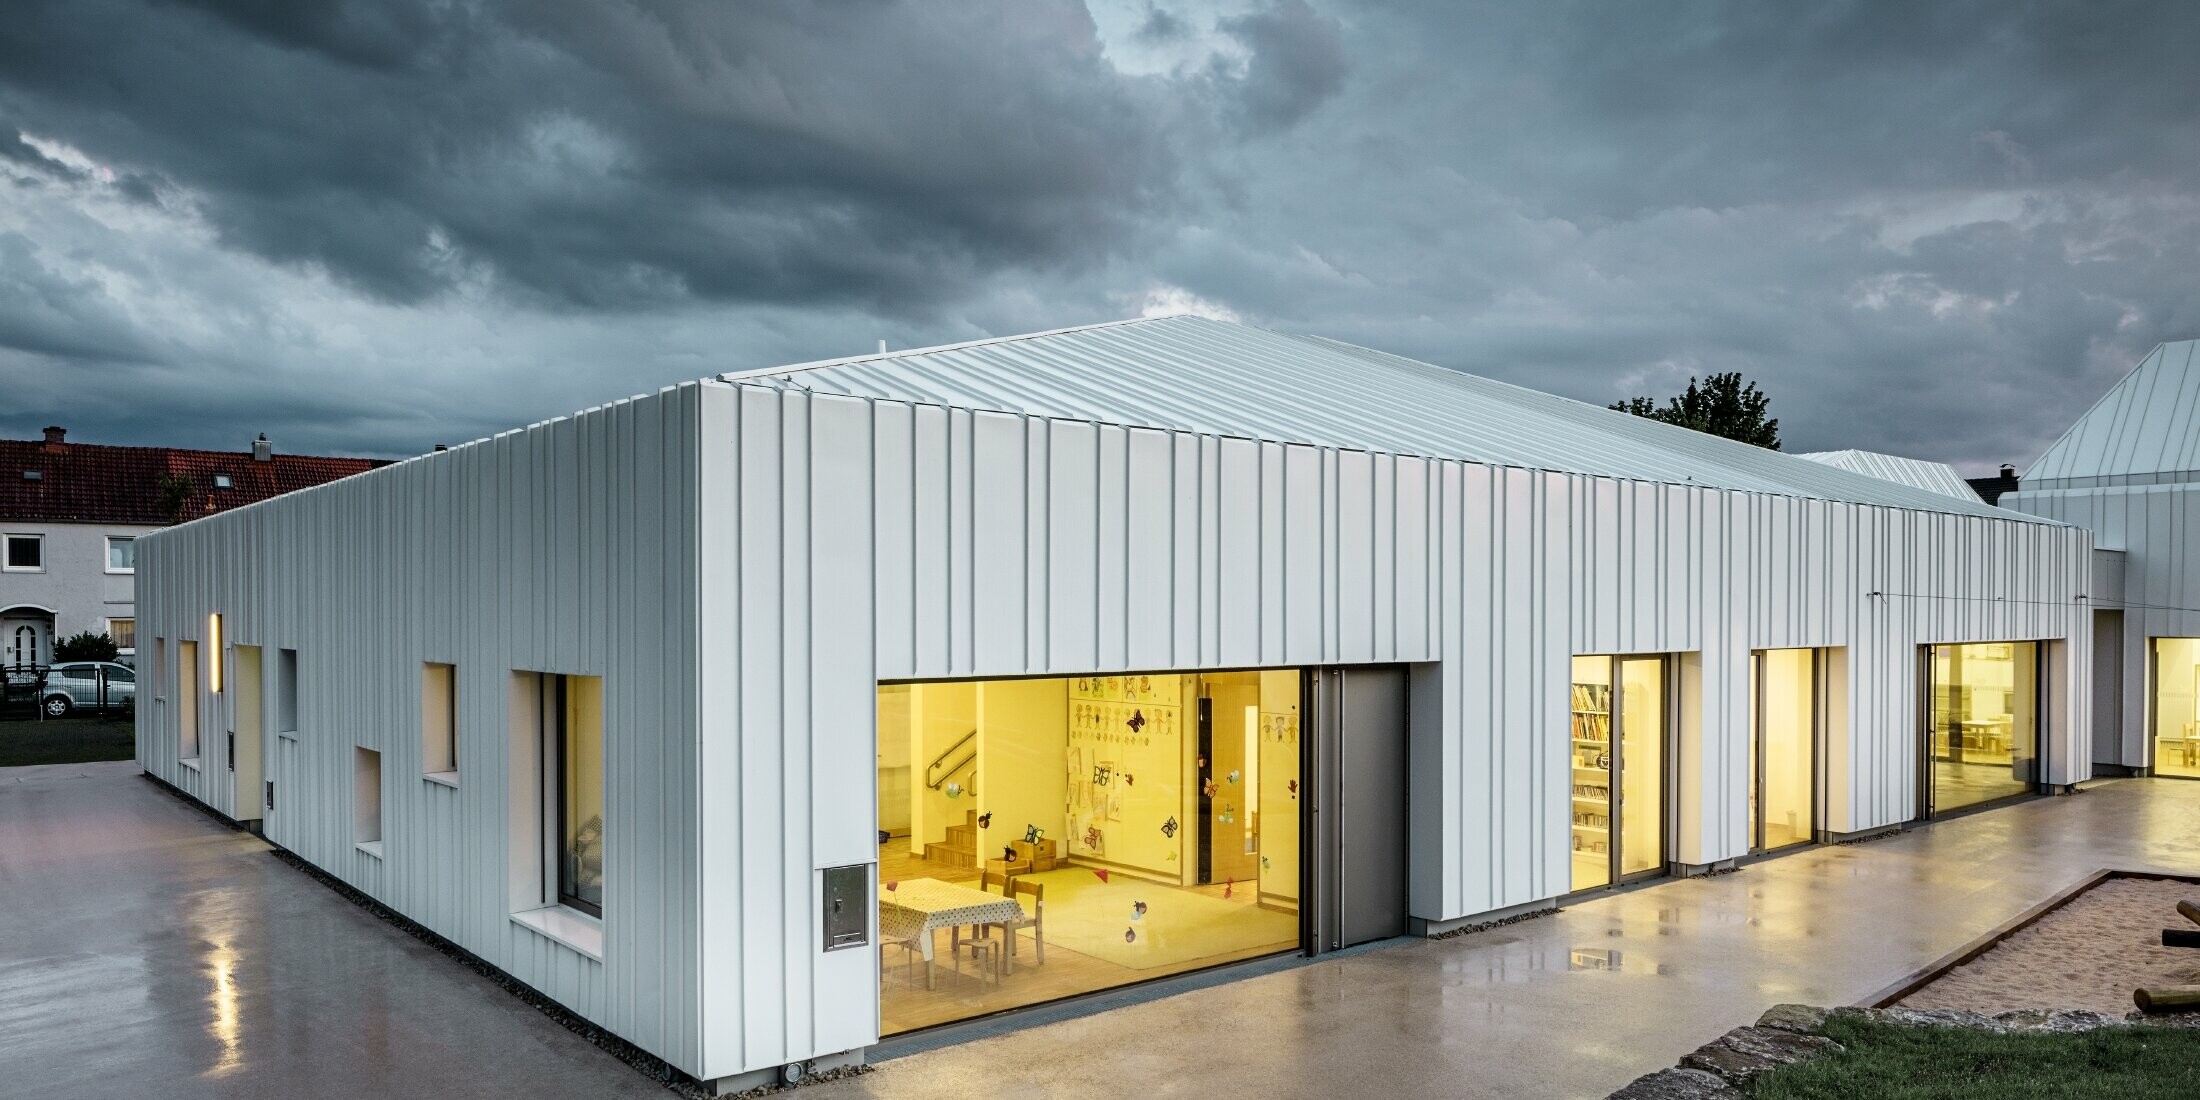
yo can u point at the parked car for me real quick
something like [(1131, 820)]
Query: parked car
[(76, 684)]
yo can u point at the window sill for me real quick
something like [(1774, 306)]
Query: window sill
[(570, 927), (442, 779), (371, 847), (288, 735), (191, 762), (121, 572)]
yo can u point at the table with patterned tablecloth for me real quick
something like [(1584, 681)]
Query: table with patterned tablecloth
[(915, 908)]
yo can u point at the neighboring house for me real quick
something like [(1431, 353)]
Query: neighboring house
[(2129, 470), (708, 713), (1938, 477), (70, 515)]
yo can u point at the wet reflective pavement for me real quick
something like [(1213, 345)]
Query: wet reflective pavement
[(1582, 1002), (145, 947)]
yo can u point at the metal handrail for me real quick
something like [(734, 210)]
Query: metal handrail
[(965, 739)]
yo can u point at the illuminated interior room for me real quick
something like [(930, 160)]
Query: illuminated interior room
[(1043, 838), (1619, 736), (1783, 755), (2176, 707), (1982, 726)]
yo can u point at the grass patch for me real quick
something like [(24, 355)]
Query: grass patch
[(73, 740), (1896, 1062)]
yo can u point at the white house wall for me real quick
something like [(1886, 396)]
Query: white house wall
[(852, 540), (568, 548)]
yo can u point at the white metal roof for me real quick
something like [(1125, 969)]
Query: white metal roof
[(1202, 375), (1939, 477), (2147, 425)]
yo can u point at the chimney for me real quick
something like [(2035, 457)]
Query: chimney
[(56, 439), (262, 450), (2008, 471)]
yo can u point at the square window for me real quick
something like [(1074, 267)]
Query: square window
[(121, 554), (25, 554), (221, 481), (124, 632)]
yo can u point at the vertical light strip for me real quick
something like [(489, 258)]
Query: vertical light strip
[(214, 653)]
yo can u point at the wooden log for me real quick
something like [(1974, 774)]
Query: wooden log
[(2168, 998), (2181, 937), (2191, 911)]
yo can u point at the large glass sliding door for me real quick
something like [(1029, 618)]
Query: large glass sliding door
[(2175, 708), (1783, 756), (1620, 735), (1045, 838), (1982, 723)]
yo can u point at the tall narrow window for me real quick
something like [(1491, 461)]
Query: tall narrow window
[(439, 722), (187, 699), (366, 800), (286, 690), (572, 709)]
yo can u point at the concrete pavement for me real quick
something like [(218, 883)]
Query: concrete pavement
[(145, 947)]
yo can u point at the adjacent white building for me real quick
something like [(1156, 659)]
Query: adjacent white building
[(687, 709), (1939, 477), (2129, 471)]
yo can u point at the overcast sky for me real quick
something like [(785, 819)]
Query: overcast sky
[(1938, 229)]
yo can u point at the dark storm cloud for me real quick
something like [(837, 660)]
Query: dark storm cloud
[(1934, 229), (616, 156)]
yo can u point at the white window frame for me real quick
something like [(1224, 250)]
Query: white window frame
[(132, 620), (110, 563), (6, 541)]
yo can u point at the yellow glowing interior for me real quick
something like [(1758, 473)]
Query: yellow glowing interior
[(2177, 706), (214, 653)]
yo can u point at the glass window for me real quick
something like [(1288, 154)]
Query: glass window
[(1592, 772), (1982, 731), (1642, 765), (1782, 762), (116, 674), (1111, 829), (366, 803), (124, 633), (438, 719), (2176, 706), (573, 710), (187, 699), (26, 553), (1618, 777), (121, 554)]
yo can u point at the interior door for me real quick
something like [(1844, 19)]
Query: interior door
[(1362, 770)]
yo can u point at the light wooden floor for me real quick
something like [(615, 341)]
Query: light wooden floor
[(905, 1005)]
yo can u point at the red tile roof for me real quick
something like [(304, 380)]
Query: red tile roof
[(93, 483)]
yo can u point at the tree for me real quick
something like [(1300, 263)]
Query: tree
[(86, 647), (1721, 405)]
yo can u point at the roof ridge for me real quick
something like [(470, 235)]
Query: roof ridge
[(877, 356)]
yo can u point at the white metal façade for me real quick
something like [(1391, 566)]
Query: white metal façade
[(743, 561)]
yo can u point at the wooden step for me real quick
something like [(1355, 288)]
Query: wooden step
[(951, 856)]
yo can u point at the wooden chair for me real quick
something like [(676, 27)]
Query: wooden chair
[(1034, 919), (991, 882), (987, 954)]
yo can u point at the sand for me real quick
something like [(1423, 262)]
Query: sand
[(2091, 953)]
